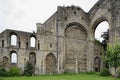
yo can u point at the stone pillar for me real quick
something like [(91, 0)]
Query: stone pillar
[(38, 63), (90, 55), (76, 64)]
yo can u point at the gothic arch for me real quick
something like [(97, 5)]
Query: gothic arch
[(51, 64)]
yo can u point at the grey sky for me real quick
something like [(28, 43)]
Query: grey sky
[(24, 14)]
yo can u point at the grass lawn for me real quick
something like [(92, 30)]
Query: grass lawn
[(80, 76)]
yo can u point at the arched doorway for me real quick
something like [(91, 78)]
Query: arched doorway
[(51, 64), (97, 63)]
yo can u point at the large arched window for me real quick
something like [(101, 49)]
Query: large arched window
[(32, 41), (100, 28), (13, 57), (13, 40)]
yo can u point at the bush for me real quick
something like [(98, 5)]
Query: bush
[(14, 71), (4, 73), (118, 72), (118, 75), (105, 72)]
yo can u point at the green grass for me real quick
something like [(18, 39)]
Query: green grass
[(80, 76)]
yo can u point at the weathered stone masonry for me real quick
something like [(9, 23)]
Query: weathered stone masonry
[(65, 42)]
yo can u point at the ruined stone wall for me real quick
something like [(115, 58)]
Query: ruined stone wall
[(66, 39), (21, 50)]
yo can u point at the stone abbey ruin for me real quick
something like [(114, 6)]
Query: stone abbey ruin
[(64, 43)]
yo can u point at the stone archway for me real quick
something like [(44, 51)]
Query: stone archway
[(97, 63), (51, 64)]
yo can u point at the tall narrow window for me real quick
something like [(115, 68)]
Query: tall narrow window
[(19, 44), (13, 40), (26, 45), (13, 57), (32, 42), (2, 43), (50, 45), (38, 46)]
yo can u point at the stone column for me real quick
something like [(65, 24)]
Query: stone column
[(90, 56)]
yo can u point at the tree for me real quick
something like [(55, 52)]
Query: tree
[(29, 69), (105, 37), (112, 56)]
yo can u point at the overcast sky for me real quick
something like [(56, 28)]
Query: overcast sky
[(24, 14)]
